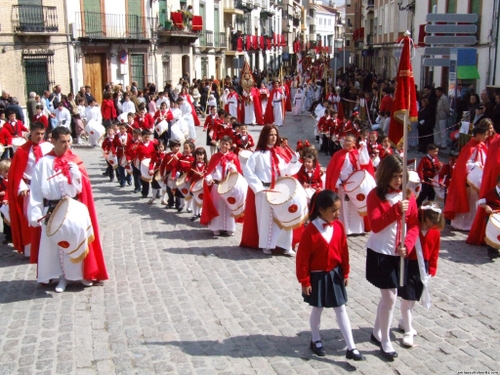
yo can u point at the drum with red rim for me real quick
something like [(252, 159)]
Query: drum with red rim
[(233, 189), (288, 201), (474, 178), (183, 186), (492, 234), (144, 167), (357, 187), (197, 190)]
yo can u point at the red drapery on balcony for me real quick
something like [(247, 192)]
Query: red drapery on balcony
[(283, 41), (296, 46), (268, 43), (177, 19), (262, 42), (421, 35), (239, 44), (255, 42), (248, 42), (197, 23)]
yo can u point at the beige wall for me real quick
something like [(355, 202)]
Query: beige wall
[(12, 76)]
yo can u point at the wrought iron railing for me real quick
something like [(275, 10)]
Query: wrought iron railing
[(34, 19), (96, 25)]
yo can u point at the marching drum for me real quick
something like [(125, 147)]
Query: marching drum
[(6, 213), (309, 193), (197, 190), (128, 169), (474, 178), (183, 186), (123, 117), (112, 159), (357, 187), (243, 155), (414, 183), (95, 130), (71, 229), (123, 161), (438, 189), (289, 203), (233, 189), (17, 142), (492, 234), (145, 176), (161, 128)]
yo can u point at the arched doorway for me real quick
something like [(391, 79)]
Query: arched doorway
[(186, 68)]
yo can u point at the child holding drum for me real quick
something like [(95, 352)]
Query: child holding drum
[(168, 170), (216, 213), (431, 220), (385, 248), (323, 269), (194, 175), (185, 162)]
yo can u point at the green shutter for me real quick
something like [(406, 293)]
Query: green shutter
[(37, 75), (137, 70), (452, 6), (31, 15), (134, 18), (93, 18)]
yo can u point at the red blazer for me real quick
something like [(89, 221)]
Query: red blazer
[(386, 105), (5, 137), (431, 243), (145, 152), (4, 189), (43, 119), (169, 164), (108, 110), (445, 174), (185, 162), (162, 115), (428, 168), (16, 129), (119, 147), (314, 181), (145, 122), (131, 151), (243, 144), (197, 172), (107, 144), (315, 254)]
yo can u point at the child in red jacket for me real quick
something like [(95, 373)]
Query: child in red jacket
[(431, 221), (323, 269)]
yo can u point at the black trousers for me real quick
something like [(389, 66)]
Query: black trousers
[(427, 193), (136, 173)]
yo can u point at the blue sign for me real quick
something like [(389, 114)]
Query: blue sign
[(285, 56)]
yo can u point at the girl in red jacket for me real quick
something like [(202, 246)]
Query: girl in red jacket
[(108, 110), (385, 247), (323, 269), (431, 221)]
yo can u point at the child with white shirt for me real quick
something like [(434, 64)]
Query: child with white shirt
[(323, 269)]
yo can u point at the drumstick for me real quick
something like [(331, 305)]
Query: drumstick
[(60, 172)]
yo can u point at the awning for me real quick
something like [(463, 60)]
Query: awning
[(467, 72)]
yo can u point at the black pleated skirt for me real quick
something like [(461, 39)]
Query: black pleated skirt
[(383, 270), (328, 289), (413, 288)]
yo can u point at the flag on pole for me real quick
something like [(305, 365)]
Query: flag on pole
[(405, 100)]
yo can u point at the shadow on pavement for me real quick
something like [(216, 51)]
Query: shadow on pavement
[(10, 257), (463, 253), (266, 346), (21, 290)]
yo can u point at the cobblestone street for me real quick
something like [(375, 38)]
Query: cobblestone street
[(179, 301)]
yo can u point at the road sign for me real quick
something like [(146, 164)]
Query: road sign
[(436, 62), (454, 40), (452, 17), (430, 51), (451, 29)]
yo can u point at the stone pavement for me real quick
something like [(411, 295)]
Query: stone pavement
[(182, 302)]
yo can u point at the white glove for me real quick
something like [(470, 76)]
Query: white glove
[(422, 122), (177, 174)]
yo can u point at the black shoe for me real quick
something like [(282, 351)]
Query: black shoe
[(5, 242), (129, 183), (158, 194), (179, 209), (104, 173), (137, 190), (354, 354), (374, 340), (388, 355), (320, 351), (122, 185), (194, 218), (111, 179), (144, 195)]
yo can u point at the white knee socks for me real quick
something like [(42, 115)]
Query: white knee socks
[(406, 314), (342, 320), (315, 321), (383, 320)]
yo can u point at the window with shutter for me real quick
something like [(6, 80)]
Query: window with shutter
[(31, 15), (134, 18), (93, 18)]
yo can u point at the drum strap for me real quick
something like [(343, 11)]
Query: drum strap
[(51, 204)]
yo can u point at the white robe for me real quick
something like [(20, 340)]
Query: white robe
[(298, 99), (232, 102), (187, 114), (278, 108), (256, 171), (52, 261), (249, 110)]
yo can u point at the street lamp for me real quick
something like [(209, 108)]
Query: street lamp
[(410, 7)]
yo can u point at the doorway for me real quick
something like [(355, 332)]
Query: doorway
[(95, 74), (186, 69)]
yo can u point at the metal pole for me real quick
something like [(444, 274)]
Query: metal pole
[(405, 182), (343, 47)]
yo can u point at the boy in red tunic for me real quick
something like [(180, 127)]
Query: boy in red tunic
[(427, 169)]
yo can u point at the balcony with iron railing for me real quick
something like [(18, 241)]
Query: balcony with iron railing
[(230, 6), (206, 39), (96, 25), (34, 19), (245, 5), (220, 40)]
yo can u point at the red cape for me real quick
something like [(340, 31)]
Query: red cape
[(287, 87), (255, 93), (209, 211), (490, 173), (22, 233), (335, 166), (94, 267), (193, 111), (268, 115), (456, 201)]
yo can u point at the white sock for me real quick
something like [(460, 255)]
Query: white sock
[(153, 192), (344, 326), (315, 321), (406, 314), (383, 320)]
